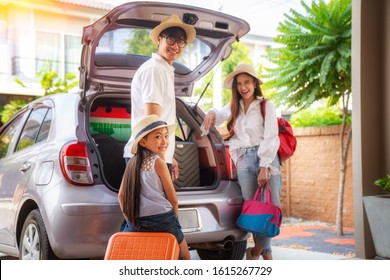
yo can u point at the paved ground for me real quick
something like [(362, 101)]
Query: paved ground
[(309, 240), (316, 237), (304, 240)]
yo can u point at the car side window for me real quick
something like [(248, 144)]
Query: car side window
[(45, 128), (31, 128), (7, 136)]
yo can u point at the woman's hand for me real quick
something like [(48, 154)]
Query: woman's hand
[(209, 120), (262, 179)]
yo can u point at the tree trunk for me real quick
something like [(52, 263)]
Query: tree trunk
[(344, 148)]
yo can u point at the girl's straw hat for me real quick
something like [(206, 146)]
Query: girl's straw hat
[(171, 21), (146, 125), (241, 68)]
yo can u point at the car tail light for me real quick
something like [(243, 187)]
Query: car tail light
[(75, 164), (231, 167)]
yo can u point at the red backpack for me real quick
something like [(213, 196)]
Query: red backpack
[(288, 142)]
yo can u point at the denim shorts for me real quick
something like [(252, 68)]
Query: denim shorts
[(167, 222)]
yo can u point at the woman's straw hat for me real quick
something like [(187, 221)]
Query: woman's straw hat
[(146, 125), (241, 68), (171, 21)]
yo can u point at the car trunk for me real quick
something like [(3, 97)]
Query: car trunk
[(197, 156)]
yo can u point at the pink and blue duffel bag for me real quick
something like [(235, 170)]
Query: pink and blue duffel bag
[(260, 218)]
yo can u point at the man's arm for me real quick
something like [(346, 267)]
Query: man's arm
[(152, 109)]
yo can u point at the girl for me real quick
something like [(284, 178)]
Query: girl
[(147, 195), (253, 142)]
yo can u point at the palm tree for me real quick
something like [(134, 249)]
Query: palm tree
[(313, 63)]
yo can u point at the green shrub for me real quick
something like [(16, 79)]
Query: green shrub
[(321, 116), (51, 83), (11, 108)]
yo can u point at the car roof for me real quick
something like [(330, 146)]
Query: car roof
[(106, 63)]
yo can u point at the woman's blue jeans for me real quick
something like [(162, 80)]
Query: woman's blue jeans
[(247, 171)]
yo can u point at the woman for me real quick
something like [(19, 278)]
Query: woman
[(253, 143)]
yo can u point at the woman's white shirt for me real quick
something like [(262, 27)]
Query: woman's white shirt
[(251, 130)]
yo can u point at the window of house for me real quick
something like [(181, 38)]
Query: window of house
[(3, 47), (58, 52), (72, 53), (48, 52)]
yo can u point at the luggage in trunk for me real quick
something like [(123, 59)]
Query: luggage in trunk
[(186, 155)]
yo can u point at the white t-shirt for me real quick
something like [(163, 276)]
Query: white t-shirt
[(153, 83)]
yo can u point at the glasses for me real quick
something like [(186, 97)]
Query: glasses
[(171, 42)]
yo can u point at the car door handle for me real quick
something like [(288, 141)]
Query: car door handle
[(26, 166)]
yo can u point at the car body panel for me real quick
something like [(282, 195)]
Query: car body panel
[(13, 181), (215, 211), (13, 190)]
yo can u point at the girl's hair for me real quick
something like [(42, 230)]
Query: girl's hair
[(235, 103), (132, 186)]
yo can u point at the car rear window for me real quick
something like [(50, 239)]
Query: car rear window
[(136, 42)]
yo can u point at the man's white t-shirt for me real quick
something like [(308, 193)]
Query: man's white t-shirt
[(153, 83)]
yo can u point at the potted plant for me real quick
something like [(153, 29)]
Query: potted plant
[(378, 214), (384, 183)]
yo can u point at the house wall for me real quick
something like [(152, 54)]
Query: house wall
[(47, 21), (311, 177), (19, 23)]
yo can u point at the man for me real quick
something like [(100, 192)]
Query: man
[(153, 88)]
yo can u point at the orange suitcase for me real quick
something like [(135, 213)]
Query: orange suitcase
[(142, 246)]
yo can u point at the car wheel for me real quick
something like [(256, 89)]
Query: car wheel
[(34, 243), (237, 252)]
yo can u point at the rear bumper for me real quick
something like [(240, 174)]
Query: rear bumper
[(217, 212)]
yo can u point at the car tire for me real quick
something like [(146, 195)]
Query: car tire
[(34, 242), (237, 252)]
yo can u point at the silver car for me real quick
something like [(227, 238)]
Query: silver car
[(61, 157)]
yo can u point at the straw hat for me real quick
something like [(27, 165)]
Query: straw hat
[(171, 21), (146, 125), (241, 68)]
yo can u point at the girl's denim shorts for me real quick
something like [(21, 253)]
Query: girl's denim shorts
[(167, 222)]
